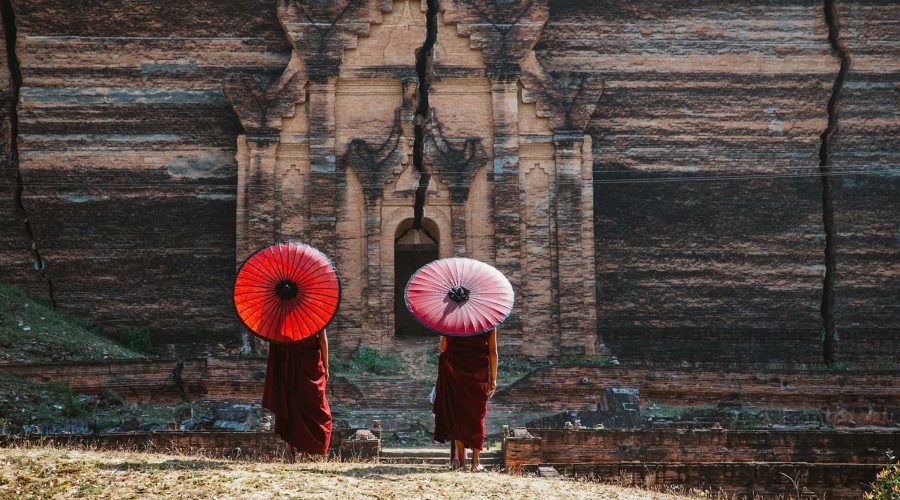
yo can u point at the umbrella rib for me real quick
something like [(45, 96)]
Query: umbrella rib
[(291, 263), (248, 304), (253, 292), (429, 280), (447, 274), (306, 284), (253, 300), (249, 275), (282, 260), (258, 265), (298, 256), (308, 320), (325, 268), (282, 315), (268, 265), (295, 313), (268, 316), (311, 309), (252, 272), (308, 260), (286, 323)]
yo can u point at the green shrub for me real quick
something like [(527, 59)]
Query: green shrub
[(136, 340), (839, 367), (368, 360), (887, 483)]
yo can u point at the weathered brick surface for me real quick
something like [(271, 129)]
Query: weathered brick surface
[(739, 90), (161, 144), (699, 446), (871, 398), (849, 397), (16, 258), (127, 145), (743, 480), (867, 206)]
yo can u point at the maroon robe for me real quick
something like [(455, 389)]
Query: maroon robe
[(295, 392), (460, 401)]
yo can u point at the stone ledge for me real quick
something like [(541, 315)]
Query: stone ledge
[(741, 479)]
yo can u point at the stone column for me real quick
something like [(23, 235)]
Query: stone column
[(255, 207), (507, 197), (576, 330), (326, 186), (374, 289)]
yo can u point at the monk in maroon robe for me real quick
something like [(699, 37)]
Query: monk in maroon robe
[(467, 378), (295, 392)]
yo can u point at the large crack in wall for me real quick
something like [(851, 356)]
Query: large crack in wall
[(425, 73), (827, 308), (9, 26)]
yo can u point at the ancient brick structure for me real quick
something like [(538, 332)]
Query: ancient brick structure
[(609, 446), (328, 157), (647, 174), (830, 464)]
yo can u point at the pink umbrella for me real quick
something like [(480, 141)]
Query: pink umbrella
[(459, 296)]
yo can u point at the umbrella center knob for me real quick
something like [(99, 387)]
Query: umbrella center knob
[(458, 294), (286, 289)]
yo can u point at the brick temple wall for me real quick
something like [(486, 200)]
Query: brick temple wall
[(731, 268), (847, 397), (864, 398), (831, 464), (610, 446), (743, 480), (128, 149)]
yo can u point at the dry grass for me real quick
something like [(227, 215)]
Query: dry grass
[(44, 472)]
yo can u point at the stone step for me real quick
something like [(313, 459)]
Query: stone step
[(433, 456), (429, 452), (432, 461)]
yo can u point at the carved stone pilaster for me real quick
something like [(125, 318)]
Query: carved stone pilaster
[(327, 182), (376, 165), (320, 30), (507, 196), (455, 161), (568, 100), (574, 316), (504, 30)]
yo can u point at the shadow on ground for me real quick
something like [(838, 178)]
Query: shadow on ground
[(174, 464)]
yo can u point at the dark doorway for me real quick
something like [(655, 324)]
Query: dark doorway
[(413, 249)]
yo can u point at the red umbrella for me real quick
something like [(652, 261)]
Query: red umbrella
[(287, 292), (459, 296)]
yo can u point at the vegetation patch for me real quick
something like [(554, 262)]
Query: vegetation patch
[(887, 484), (370, 361), (30, 331)]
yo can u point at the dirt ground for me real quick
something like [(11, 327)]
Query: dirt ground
[(40, 472)]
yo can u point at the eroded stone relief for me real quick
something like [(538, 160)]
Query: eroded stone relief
[(327, 157)]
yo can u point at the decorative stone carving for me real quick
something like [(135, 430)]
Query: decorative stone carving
[(320, 30), (505, 30)]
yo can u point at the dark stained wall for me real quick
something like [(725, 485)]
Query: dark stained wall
[(127, 144), (729, 268), (867, 207)]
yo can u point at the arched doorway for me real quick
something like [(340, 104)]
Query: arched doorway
[(413, 248)]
